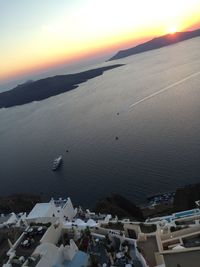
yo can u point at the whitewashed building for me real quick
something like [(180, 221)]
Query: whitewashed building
[(47, 212)]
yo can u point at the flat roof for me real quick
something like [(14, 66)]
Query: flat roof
[(40, 210)]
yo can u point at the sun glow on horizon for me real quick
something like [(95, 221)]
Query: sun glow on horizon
[(172, 29), (69, 30)]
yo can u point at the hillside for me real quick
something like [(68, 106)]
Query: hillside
[(158, 42), (120, 206)]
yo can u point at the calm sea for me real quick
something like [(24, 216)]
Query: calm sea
[(152, 104)]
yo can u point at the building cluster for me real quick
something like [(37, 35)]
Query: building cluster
[(55, 234)]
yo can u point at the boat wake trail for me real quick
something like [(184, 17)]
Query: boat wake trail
[(164, 89)]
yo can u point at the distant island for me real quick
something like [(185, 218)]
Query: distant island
[(158, 42), (38, 90)]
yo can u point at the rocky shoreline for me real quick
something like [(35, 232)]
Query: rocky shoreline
[(115, 204), (18, 203), (51, 86), (184, 199)]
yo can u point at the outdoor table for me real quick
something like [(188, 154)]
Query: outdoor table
[(119, 255), (25, 243)]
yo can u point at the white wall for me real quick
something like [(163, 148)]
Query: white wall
[(68, 210), (52, 234), (48, 252), (70, 251)]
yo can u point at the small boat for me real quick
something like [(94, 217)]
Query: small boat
[(56, 163)]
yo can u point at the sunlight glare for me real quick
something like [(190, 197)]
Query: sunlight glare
[(172, 29)]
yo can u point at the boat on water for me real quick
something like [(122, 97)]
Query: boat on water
[(56, 163), (160, 198)]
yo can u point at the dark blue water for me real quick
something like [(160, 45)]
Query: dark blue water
[(158, 146)]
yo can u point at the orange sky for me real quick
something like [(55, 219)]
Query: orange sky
[(35, 36)]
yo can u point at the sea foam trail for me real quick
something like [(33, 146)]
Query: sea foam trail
[(164, 89)]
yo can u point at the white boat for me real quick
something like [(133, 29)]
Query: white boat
[(56, 163)]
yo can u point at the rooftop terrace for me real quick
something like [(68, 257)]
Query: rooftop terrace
[(28, 243)]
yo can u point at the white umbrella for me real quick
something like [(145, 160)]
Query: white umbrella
[(80, 223), (91, 223)]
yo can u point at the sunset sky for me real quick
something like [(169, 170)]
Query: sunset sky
[(37, 34)]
